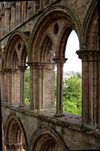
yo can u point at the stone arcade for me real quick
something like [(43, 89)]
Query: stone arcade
[(36, 30)]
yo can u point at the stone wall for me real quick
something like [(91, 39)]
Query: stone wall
[(68, 129), (39, 30)]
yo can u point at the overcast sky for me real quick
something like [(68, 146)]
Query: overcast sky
[(73, 63)]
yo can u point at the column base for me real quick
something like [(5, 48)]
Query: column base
[(59, 115)]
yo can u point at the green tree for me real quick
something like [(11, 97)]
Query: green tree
[(27, 85), (79, 75), (72, 95), (55, 86)]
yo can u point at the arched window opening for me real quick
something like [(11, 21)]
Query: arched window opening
[(72, 78), (27, 83), (15, 139), (25, 79)]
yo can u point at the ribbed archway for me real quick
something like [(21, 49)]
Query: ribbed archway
[(14, 136), (46, 139)]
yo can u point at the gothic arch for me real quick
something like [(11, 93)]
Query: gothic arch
[(61, 45), (13, 42), (46, 138), (15, 132), (23, 57), (47, 44), (50, 15), (90, 26)]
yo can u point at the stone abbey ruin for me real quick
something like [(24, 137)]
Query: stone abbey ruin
[(37, 30)]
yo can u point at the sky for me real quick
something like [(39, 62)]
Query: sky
[(73, 63)]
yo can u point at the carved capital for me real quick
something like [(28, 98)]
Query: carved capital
[(6, 70), (60, 60), (12, 146), (88, 54), (22, 68), (13, 70), (36, 64)]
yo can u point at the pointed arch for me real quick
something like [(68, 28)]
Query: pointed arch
[(13, 126), (90, 27), (50, 15), (11, 45), (60, 52), (46, 138), (47, 44)]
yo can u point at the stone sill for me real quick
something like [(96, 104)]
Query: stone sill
[(69, 120)]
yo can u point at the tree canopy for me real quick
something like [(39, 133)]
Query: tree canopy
[(72, 95), (27, 85)]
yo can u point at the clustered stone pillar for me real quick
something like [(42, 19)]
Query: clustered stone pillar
[(36, 85), (7, 19), (41, 92), (24, 7), (3, 24), (2, 86), (98, 91), (34, 6), (22, 85), (18, 13), (14, 147), (9, 85), (13, 84), (13, 15), (6, 83), (41, 4), (90, 85), (59, 103)]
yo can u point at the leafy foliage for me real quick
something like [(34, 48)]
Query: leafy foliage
[(79, 75), (72, 95), (27, 86)]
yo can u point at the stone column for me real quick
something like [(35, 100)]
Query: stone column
[(14, 146), (7, 85), (2, 86), (41, 4), (36, 85), (18, 13), (13, 15), (44, 3), (34, 6), (41, 85), (13, 84), (98, 111), (59, 103), (89, 85), (3, 24), (0, 24), (9, 79), (7, 19), (22, 85), (24, 7)]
